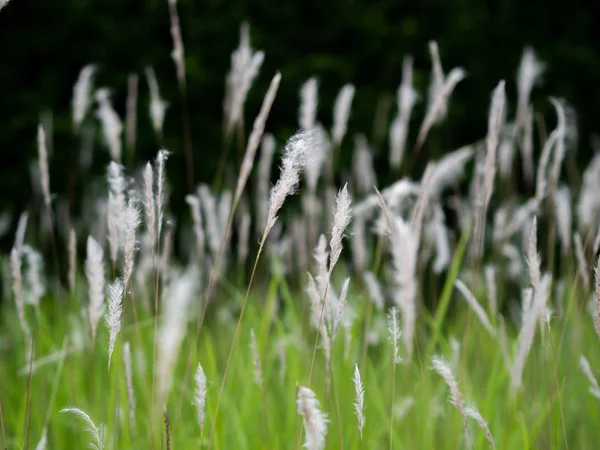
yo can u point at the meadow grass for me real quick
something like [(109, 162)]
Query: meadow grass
[(282, 352)]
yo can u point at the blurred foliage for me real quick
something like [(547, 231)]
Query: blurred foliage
[(43, 45)]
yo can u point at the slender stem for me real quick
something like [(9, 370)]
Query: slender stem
[(235, 336), (392, 402), (28, 402), (155, 262), (2, 427)]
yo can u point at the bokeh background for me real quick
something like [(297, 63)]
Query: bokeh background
[(44, 44)]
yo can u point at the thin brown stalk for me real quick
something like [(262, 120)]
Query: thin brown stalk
[(167, 431)]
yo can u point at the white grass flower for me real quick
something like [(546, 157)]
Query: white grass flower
[(485, 188), (528, 75), (359, 406), (35, 287), (362, 165), (94, 271), (256, 359), (96, 432), (43, 162), (395, 333), (450, 168), (342, 215), (527, 331), (315, 422), (491, 289), (314, 164), (406, 99), (112, 127), (158, 106), (17, 287), (255, 136), (161, 160), (129, 385), (582, 267), (584, 365), (72, 259), (131, 222), (308, 104), (21, 229), (149, 207), (200, 397), (473, 412), (441, 366), (194, 203), (82, 93), (245, 65), (533, 257), (475, 306), (439, 105), (442, 241), (341, 113), (295, 154), (555, 140), (404, 249), (116, 209), (178, 52), (564, 218), (597, 298), (115, 311)]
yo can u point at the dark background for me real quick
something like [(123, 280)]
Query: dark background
[(44, 44)]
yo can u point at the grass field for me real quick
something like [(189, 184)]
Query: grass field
[(430, 315)]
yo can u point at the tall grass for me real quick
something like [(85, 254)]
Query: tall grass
[(201, 352)]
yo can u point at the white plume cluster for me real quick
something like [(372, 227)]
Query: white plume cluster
[(315, 422), (82, 94), (245, 65), (112, 126), (94, 271), (158, 106)]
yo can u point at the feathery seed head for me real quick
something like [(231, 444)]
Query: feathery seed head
[(360, 400), (82, 92), (308, 103), (94, 271), (115, 311), (315, 422), (341, 113), (256, 359), (112, 126), (158, 106), (131, 222), (149, 203), (342, 214), (200, 396), (297, 151)]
